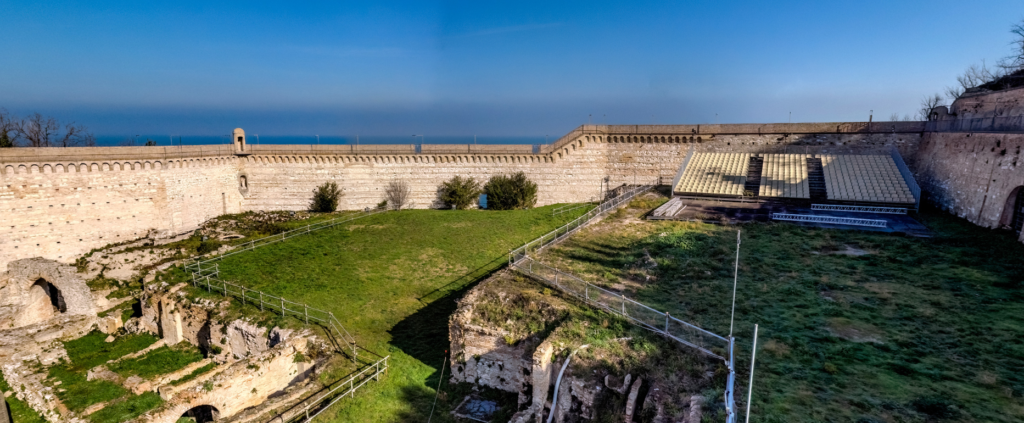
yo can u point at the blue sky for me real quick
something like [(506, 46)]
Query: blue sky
[(494, 68)]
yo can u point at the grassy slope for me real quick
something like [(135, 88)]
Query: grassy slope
[(948, 312), (88, 352), (392, 279)]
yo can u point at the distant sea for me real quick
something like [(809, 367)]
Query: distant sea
[(165, 140)]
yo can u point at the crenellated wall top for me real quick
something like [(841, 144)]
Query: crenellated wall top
[(593, 133)]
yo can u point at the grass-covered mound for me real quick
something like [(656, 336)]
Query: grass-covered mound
[(855, 326), (392, 280)]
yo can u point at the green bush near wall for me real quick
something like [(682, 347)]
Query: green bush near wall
[(511, 192)]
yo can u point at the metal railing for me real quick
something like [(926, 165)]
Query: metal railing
[(570, 228), (617, 303), (300, 413), (832, 220), (641, 315), (302, 230), (858, 209), (908, 177), (568, 208), (208, 277)]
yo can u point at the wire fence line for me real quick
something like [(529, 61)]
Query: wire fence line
[(570, 228), (568, 208), (302, 230), (311, 407), (663, 323), (208, 278), (206, 273), (616, 303)]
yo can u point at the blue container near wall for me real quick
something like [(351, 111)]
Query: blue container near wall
[(483, 201)]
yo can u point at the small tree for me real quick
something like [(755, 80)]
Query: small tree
[(510, 192), (7, 128), (325, 198), (459, 192), (397, 194)]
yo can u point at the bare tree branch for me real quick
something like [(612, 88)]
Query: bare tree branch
[(397, 194), (44, 131), (38, 131), (927, 104), (1015, 61)]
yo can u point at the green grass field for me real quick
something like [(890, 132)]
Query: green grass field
[(392, 280), (854, 326)]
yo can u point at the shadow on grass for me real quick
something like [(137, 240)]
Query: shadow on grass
[(424, 334), (471, 277)]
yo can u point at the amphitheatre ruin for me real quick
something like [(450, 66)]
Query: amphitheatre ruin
[(881, 261)]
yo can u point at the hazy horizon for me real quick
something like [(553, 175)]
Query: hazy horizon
[(458, 69)]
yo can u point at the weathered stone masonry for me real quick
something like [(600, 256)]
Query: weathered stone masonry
[(59, 203)]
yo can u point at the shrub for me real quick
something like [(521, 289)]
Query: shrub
[(459, 192), (325, 198), (396, 194), (510, 192)]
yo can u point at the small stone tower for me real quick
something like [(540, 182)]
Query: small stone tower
[(238, 135)]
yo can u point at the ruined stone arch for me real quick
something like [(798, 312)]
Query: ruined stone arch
[(47, 168), (41, 289), (59, 168), (95, 167), (1013, 210), (201, 413)]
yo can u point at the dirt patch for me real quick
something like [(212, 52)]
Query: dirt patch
[(855, 331)]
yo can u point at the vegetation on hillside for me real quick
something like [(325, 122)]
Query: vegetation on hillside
[(392, 280), (855, 326)]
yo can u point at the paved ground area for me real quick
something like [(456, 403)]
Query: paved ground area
[(716, 211)]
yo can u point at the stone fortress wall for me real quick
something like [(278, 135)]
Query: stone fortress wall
[(59, 203), (976, 173)]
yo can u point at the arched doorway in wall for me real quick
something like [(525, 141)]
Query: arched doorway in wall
[(1013, 211), (44, 301), (56, 298), (201, 414)]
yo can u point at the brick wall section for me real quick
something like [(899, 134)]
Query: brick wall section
[(59, 203), (972, 175)]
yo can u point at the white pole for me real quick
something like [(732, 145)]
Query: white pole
[(753, 356), (735, 277)]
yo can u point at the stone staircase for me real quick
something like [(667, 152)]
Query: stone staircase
[(816, 180), (753, 184)]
